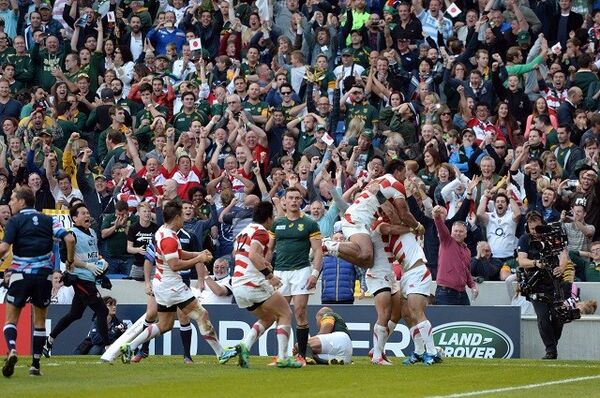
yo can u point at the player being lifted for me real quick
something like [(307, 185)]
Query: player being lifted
[(168, 287), (359, 217), (253, 286), (415, 287)]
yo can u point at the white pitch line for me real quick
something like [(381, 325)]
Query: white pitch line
[(524, 387)]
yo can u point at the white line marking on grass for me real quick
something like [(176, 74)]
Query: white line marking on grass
[(524, 387), (541, 364)]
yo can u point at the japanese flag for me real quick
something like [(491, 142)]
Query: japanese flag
[(453, 10), (195, 44), (557, 48)]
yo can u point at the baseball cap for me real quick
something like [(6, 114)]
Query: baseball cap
[(44, 132), (368, 134), (45, 5), (321, 127), (347, 51), (523, 37), (584, 168), (106, 93)]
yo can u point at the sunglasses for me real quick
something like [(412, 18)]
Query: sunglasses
[(446, 114), (500, 147), (286, 93)]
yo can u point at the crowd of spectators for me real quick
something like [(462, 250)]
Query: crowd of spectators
[(492, 104)]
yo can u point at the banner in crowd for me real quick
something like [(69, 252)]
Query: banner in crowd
[(65, 219), (471, 332)]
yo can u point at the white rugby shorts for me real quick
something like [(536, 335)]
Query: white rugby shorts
[(416, 281), (293, 282), (336, 345)]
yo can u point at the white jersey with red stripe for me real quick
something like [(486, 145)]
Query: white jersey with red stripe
[(167, 247), (184, 181), (382, 258), (364, 209), (402, 248), (245, 273)]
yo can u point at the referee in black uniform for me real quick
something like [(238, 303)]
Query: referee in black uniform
[(31, 235)]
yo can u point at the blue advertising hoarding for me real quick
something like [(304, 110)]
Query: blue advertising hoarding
[(461, 331)]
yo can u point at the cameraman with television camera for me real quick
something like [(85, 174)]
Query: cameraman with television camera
[(545, 275)]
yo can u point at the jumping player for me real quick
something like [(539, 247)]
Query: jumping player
[(253, 286), (359, 217), (168, 287)]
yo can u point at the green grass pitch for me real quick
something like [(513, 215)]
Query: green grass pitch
[(168, 377)]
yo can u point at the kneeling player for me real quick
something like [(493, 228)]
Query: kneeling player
[(168, 287), (332, 346), (253, 285)]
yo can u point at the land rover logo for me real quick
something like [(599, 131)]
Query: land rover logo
[(472, 340)]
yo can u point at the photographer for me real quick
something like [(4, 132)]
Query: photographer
[(529, 258), (93, 343)]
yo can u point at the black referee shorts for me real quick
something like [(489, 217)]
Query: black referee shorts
[(87, 292), (28, 287)]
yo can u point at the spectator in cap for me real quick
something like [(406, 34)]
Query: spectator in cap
[(362, 153), (36, 124), (347, 70), (49, 24), (318, 148), (360, 51)]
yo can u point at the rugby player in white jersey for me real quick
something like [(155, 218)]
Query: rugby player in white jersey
[(415, 286), (382, 284), (168, 287), (253, 286), (358, 218)]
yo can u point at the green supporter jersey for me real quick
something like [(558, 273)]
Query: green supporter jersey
[(6, 55), (23, 68), (292, 242), (304, 141), (247, 70), (116, 244), (338, 323), (363, 111), (44, 64), (16, 86), (182, 121), (260, 109)]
